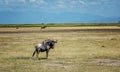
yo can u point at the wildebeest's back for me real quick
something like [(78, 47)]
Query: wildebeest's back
[(40, 47)]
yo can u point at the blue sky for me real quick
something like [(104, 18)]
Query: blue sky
[(37, 11)]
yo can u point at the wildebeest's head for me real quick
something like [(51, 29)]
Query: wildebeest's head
[(51, 43)]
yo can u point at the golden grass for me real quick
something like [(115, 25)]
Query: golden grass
[(72, 53)]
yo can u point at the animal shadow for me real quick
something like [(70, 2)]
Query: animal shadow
[(23, 58), (42, 58)]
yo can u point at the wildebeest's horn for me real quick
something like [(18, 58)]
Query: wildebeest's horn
[(55, 41)]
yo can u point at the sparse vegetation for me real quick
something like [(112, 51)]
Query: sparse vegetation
[(76, 51), (57, 25)]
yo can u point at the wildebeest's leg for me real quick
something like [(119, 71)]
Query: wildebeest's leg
[(47, 54), (33, 53), (37, 51)]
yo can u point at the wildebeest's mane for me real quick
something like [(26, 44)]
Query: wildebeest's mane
[(48, 43)]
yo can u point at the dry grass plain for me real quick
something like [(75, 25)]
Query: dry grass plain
[(79, 49)]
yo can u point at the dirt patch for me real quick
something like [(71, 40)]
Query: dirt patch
[(60, 30), (107, 62), (60, 64)]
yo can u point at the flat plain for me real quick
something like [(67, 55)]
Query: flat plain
[(79, 49)]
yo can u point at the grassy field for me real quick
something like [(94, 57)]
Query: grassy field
[(58, 25), (79, 49)]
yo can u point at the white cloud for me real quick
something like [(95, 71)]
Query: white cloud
[(6, 2), (82, 2), (21, 2), (12, 2), (60, 4), (44, 4), (104, 2), (69, 3), (53, 5), (32, 0), (38, 1)]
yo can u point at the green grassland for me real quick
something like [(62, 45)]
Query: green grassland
[(58, 25), (76, 51)]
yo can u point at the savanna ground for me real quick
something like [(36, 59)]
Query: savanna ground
[(79, 49)]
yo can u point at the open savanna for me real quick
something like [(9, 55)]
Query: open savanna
[(79, 49)]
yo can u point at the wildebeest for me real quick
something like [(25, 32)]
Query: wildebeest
[(43, 27), (17, 27), (45, 46)]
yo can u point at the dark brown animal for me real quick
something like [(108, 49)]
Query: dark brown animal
[(43, 27)]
